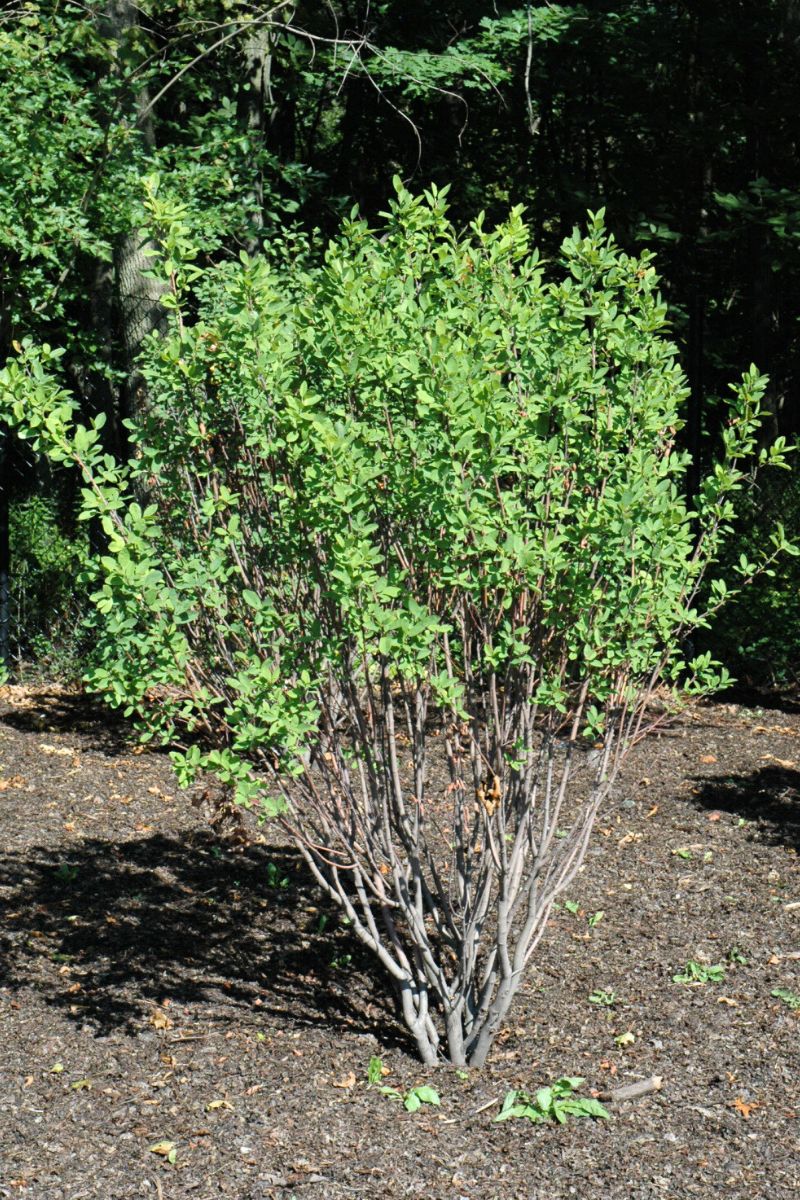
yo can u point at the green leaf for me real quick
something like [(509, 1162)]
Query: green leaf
[(788, 997), (375, 1070)]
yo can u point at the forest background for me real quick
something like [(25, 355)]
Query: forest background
[(256, 129)]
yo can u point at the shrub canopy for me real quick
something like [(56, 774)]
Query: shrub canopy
[(415, 514)]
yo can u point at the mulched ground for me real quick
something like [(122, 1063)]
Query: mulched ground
[(160, 986)]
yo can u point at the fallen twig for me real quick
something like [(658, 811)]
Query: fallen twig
[(632, 1091)]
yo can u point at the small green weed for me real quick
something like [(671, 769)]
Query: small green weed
[(275, 877), (696, 972), (592, 919), (412, 1100), (735, 955), (603, 997), (556, 1103), (375, 1070), (790, 998), (66, 873)]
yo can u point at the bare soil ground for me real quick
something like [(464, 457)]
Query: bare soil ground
[(160, 987)]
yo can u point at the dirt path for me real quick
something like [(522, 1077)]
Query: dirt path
[(160, 988)]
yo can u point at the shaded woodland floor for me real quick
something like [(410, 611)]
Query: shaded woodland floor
[(161, 986)]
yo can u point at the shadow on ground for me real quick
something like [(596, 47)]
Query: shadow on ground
[(769, 797), (773, 699), (136, 922), (60, 710)]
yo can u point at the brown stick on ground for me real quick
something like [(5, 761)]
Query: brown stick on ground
[(633, 1091)]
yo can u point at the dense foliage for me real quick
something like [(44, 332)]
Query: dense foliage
[(47, 610), (755, 633), (262, 122), (409, 534)]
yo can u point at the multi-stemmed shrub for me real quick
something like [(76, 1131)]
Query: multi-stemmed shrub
[(408, 555)]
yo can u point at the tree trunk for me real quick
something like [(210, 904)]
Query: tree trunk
[(139, 308), (257, 102), (138, 296)]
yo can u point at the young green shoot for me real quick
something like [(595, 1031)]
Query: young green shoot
[(605, 998), (790, 998), (412, 1100), (699, 973), (555, 1103)]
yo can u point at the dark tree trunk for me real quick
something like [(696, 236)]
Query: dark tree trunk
[(256, 105), (139, 306), (138, 296)]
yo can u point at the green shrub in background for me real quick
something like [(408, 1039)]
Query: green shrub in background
[(757, 635), (47, 604), (409, 537)]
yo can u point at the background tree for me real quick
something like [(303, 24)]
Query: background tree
[(264, 120)]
